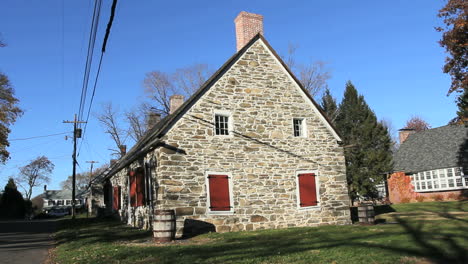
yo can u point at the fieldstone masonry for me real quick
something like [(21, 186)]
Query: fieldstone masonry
[(261, 154)]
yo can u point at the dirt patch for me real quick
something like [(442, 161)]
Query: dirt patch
[(415, 260), (51, 256)]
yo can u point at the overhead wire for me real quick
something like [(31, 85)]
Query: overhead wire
[(34, 137), (103, 50), (89, 57)]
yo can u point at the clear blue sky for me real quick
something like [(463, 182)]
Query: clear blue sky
[(388, 49)]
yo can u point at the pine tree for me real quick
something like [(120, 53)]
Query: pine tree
[(367, 144), (462, 103), (329, 105), (12, 204)]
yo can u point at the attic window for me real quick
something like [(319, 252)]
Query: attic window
[(299, 127), (223, 125)]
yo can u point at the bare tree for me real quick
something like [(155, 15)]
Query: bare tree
[(417, 123), (109, 120), (136, 119), (191, 78), (34, 174), (313, 76), (160, 86)]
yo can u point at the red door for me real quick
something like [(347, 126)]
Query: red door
[(307, 190), (219, 193)]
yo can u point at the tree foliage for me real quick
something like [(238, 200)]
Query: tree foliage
[(367, 144), (11, 202), (9, 112), (417, 123), (34, 174), (455, 41), (329, 105)]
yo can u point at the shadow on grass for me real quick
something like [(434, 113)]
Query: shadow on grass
[(444, 242)]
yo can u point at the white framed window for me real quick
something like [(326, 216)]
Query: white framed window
[(223, 123), (299, 127), (439, 180), (307, 189), (219, 193)]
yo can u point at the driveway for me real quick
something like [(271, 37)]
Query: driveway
[(25, 241)]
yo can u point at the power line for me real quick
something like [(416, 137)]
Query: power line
[(16, 139), (103, 50), (89, 57)]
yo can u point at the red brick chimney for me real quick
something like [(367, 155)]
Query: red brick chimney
[(404, 133), (247, 26), (175, 102)]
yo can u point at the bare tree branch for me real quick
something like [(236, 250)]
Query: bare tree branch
[(109, 120), (159, 88), (136, 119)]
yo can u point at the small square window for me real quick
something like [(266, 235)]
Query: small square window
[(221, 125), (298, 124)]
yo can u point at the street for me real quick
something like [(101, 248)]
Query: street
[(25, 241)]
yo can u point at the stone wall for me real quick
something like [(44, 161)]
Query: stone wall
[(262, 155)]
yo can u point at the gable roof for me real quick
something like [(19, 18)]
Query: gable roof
[(151, 137), (58, 195), (437, 148)]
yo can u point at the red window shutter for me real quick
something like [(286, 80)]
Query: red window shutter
[(116, 202), (307, 190), (219, 193), (140, 188), (133, 189)]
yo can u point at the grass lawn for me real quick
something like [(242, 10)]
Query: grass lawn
[(406, 241)]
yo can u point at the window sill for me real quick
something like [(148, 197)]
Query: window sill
[(309, 208), (221, 212), (442, 190)]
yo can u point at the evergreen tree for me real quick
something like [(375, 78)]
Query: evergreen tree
[(12, 204), (367, 144), (462, 103), (329, 105)]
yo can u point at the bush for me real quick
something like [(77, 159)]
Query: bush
[(405, 200), (453, 196), (438, 197), (420, 199)]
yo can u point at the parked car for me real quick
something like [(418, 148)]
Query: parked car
[(58, 212)]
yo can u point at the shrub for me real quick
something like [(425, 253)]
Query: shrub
[(420, 199), (453, 196), (405, 200), (438, 197)]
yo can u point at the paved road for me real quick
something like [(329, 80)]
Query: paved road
[(25, 242)]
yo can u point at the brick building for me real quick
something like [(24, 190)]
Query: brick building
[(249, 150), (430, 165)]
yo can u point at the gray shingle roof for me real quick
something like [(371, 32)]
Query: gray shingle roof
[(441, 147), (59, 195)]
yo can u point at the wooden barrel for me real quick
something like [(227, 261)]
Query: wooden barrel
[(164, 226), (366, 213)]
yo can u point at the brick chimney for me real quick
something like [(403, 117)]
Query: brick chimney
[(152, 119), (404, 133), (247, 26), (175, 102), (123, 150)]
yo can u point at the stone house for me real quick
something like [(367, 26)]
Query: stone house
[(249, 150), (430, 165)]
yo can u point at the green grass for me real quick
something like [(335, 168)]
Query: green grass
[(407, 241)]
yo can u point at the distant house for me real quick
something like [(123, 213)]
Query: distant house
[(430, 165), (249, 150), (59, 200)]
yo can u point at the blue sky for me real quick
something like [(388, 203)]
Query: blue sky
[(388, 49)]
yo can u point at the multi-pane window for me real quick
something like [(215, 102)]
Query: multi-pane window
[(298, 124), (221, 124), (437, 180)]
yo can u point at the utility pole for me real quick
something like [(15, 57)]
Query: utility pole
[(90, 199), (76, 134)]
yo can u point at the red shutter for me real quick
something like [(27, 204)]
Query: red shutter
[(307, 190), (116, 202), (219, 193), (140, 188), (133, 189)]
